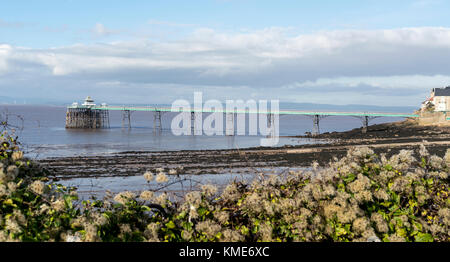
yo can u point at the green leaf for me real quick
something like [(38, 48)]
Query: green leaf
[(219, 235), (9, 202), (244, 230), (340, 231), (423, 162), (422, 237), (418, 225), (394, 207), (182, 215), (402, 232), (145, 208), (170, 225), (391, 226), (386, 203), (255, 229), (350, 178), (68, 201), (202, 211), (187, 225)]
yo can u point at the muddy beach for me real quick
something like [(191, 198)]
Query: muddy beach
[(384, 138)]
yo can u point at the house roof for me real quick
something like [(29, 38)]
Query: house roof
[(442, 91)]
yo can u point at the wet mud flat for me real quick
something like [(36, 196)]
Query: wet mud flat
[(186, 162), (384, 138), (407, 129)]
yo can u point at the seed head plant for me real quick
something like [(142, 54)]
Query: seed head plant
[(360, 197)]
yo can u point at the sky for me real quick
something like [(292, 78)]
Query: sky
[(137, 52)]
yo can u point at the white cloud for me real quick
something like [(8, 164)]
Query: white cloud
[(206, 49), (358, 63), (4, 54), (100, 30), (385, 82)]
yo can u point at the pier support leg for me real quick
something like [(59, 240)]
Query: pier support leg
[(107, 119), (365, 124), (192, 123), (104, 123), (126, 118), (229, 120), (271, 123), (87, 118), (316, 129), (157, 125), (196, 123)]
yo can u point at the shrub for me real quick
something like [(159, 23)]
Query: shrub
[(361, 197)]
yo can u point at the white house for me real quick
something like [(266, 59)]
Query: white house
[(440, 99)]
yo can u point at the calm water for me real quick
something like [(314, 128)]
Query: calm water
[(96, 187), (44, 134), (176, 186)]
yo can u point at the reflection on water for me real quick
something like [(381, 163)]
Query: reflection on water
[(163, 143), (176, 186)]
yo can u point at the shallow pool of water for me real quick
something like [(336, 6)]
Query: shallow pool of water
[(177, 185)]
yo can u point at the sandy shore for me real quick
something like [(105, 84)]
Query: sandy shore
[(387, 138)]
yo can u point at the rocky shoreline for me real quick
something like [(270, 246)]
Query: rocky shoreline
[(383, 138)]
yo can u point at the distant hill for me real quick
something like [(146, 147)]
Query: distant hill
[(6, 100)]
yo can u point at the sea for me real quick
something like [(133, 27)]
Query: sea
[(42, 133)]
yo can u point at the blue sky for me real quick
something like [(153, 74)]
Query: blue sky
[(44, 23), (338, 52)]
